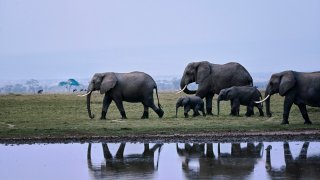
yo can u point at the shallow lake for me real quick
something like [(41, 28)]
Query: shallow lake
[(265, 160)]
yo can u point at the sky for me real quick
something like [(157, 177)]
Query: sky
[(59, 39)]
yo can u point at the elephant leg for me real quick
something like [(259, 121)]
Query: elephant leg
[(145, 114), (209, 104), (304, 113), (304, 151), (259, 106), (106, 103), (202, 110), (210, 153), (120, 151), (249, 111), (235, 112), (287, 153), (106, 152), (150, 103), (235, 108), (196, 111), (186, 110), (288, 101), (231, 105), (119, 104)]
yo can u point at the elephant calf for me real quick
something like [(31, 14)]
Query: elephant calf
[(190, 102), (244, 95)]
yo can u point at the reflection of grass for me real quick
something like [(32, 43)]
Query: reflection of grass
[(66, 115)]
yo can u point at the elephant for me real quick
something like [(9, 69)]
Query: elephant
[(118, 87), (190, 102), (302, 167), (300, 88), (237, 164), (119, 166), (212, 78), (244, 95)]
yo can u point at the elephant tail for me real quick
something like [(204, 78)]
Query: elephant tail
[(159, 105)]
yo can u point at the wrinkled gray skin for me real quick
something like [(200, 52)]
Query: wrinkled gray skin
[(241, 95), (190, 102), (130, 87), (212, 78), (297, 87)]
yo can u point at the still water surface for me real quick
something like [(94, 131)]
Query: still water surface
[(265, 160)]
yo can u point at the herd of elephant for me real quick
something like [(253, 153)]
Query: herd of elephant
[(230, 81)]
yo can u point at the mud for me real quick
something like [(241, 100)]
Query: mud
[(310, 135)]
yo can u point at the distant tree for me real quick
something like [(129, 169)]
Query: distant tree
[(19, 88), (8, 88), (69, 83), (33, 85)]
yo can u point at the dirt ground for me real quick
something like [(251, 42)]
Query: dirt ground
[(306, 135)]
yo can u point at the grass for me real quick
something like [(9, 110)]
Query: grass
[(65, 115)]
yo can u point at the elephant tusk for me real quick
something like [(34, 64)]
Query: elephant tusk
[(257, 102), (182, 89), (85, 94)]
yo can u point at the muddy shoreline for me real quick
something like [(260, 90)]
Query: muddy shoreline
[(309, 135)]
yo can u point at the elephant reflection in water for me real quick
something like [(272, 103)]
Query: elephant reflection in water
[(299, 168), (239, 163), (120, 165)]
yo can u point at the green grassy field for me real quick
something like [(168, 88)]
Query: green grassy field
[(65, 115)]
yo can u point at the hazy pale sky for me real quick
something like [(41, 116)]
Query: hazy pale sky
[(50, 39)]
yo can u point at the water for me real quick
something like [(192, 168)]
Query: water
[(267, 160)]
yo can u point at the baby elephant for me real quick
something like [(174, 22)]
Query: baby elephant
[(190, 102), (244, 95)]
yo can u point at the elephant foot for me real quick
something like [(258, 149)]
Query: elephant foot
[(285, 122), (269, 114), (261, 114), (145, 115), (186, 115), (103, 115), (160, 113), (209, 112), (307, 122), (195, 115)]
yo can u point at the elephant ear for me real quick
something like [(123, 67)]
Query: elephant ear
[(287, 82), (229, 94), (185, 101), (203, 71), (108, 82)]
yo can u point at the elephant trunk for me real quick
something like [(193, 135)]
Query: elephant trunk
[(268, 107), (177, 110), (218, 106), (268, 97), (185, 88), (91, 116)]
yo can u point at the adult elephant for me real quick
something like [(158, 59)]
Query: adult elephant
[(119, 87), (212, 78), (298, 87)]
